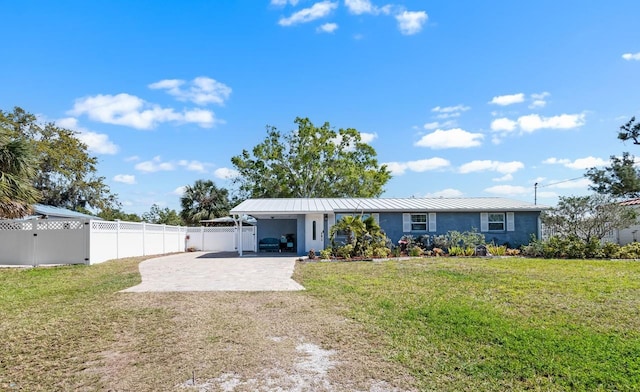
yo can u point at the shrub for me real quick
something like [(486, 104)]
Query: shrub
[(610, 250), (513, 252), (325, 254), (497, 250), (381, 252), (416, 251), (456, 250), (469, 251), (438, 252), (312, 254), (629, 251), (345, 251)]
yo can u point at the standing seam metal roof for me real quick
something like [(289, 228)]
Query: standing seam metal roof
[(326, 205)]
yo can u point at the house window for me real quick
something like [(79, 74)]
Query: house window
[(496, 222), (313, 230), (419, 222)]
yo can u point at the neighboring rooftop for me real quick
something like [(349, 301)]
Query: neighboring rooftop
[(328, 205), (50, 212)]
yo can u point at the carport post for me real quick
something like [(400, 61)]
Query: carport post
[(240, 236)]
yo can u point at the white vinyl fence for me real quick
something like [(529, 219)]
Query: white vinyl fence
[(36, 242)]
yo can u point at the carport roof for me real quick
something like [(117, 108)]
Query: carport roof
[(326, 205)]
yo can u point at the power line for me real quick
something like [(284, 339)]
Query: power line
[(560, 182)]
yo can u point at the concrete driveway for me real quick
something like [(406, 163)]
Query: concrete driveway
[(206, 271)]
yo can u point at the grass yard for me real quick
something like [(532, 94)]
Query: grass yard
[(500, 324), (442, 324)]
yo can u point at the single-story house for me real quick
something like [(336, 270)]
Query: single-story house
[(305, 223), (631, 233)]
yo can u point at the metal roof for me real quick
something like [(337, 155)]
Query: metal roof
[(322, 205), (58, 212)]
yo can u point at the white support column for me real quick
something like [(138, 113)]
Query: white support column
[(240, 237)]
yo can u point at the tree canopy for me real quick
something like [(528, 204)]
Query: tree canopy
[(17, 171), (587, 217), (622, 178), (202, 201), (66, 173), (310, 162), (163, 216)]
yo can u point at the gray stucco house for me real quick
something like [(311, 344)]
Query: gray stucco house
[(303, 224)]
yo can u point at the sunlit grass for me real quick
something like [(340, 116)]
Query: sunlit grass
[(475, 324)]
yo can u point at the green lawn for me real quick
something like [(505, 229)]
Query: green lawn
[(452, 324), (500, 324)]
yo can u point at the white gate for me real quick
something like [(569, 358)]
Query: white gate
[(221, 239)]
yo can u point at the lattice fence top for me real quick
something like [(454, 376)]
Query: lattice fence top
[(60, 225), (10, 225), (104, 226), (226, 229)]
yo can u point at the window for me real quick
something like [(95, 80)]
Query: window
[(418, 222), (496, 222), (313, 231)]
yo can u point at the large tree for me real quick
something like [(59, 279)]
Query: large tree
[(66, 173), (587, 217), (310, 162), (17, 171), (622, 178), (202, 201), (162, 216)]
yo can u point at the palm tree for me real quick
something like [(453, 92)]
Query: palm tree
[(203, 201), (17, 170)]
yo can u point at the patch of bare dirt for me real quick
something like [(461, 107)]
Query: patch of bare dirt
[(243, 342)]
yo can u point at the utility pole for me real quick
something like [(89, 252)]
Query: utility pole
[(535, 193)]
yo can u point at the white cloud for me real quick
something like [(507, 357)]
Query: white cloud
[(368, 137), (129, 110), (316, 11), (225, 173), (580, 163), (359, 7), (411, 22), (449, 192), (133, 158), (125, 178), (179, 191), (422, 165), (282, 3), (437, 124), (488, 165), (201, 90), (98, 143), (506, 177), (450, 111), (508, 190), (533, 122), (631, 56), (327, 28), (453, 138), (504, 100), (503, 124), (154, 165), (539, 100), (196, 166)]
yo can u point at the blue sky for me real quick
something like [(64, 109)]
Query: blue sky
[(464, 99)]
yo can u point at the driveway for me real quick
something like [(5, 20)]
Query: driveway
[(206, 271)]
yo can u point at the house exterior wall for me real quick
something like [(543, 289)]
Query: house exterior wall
[(525, 224)]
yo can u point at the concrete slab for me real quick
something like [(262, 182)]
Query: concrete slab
[(203, 271)]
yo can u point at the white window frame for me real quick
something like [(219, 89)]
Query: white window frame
[(412, 224), (502, 222)]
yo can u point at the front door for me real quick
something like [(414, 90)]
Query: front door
[(314, 232)]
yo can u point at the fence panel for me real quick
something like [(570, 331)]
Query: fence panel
[(16, 242)]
